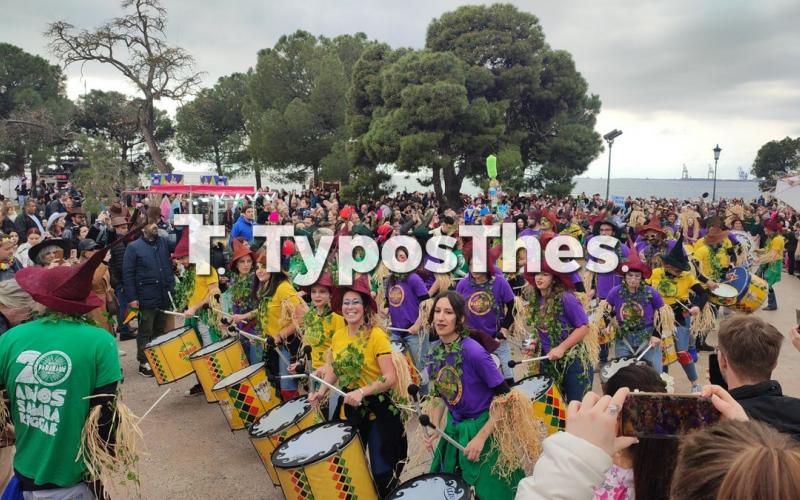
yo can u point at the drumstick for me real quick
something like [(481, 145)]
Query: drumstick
[(249, 336), (639, 357), (399, 329), (219, 311), (173, 313), (328, 385), (426, 422), (170, 299), (153, 405), (413, 391), (512, 363)]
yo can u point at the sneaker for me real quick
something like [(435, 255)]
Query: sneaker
[(145, 371), (127, 336), (770, 308), (705, 347), (196, 390), (122, 353), (696, 388)]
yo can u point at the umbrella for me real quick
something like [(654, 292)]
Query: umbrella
[(787, 190)]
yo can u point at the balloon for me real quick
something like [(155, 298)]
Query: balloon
[(491, 166)]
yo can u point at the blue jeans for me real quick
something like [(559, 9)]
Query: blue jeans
[(573, 386), (653, 355), (682, 338), (603, 353), (287, 384), (418, 346), (376, 462)]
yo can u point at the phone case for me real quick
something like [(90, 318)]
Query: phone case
[(661, 415)]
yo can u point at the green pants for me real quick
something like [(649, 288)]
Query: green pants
[(488, 485), (151, 325)]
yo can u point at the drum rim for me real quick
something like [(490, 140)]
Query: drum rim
[(725, 286), (295, 464), (199, 353), (444, 475), (153, 342), (219, 385), (283, 427), (529, 377), (610, 361)]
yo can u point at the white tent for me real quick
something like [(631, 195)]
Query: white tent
[(787, 189)]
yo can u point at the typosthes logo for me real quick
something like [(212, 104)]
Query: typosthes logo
[(480, 303), (52, 368)]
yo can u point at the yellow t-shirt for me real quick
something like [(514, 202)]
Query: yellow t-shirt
[(271, 321), (355, 360), (320, 338), (201, 287), (775, 249), (702, 253), (672, 289)]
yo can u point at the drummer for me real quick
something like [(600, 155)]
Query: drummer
[(278, 306), (653, 243), (362, 365), (561, 324), (714, 253), (242, 294), (464, 377), (682, 291), (771, 260), (635, 305)]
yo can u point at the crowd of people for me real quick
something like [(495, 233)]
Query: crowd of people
[(71, 288)]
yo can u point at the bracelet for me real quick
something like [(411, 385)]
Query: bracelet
[(363, 395)]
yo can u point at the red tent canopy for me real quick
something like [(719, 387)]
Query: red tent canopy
[(201, 189)]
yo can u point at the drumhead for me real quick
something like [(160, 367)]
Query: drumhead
[(535, 386), (168, 336), (725, 290), (398, 347), (280, 417), (216, 346), (238, 376), (313, 444), (428, 486), (496, 360), (613, 366)]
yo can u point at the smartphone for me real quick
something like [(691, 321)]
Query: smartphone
[(665, 416), (714, 373), (73, 254)]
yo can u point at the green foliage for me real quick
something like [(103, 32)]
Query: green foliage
[(104, 172), (298, 98), (211, 128), (366, 183), (775, 159)]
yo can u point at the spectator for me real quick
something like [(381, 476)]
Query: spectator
[(28, 219), (243, 227), (9, 265), (33, 239), (15, 305), (748, 353)]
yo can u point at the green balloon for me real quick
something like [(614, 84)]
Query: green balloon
[(491, 166)]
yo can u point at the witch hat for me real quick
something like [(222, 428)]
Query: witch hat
[(634, 263), (676, 256), (240, 249), (653, 225)]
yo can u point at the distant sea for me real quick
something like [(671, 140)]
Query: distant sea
[(668, 188)]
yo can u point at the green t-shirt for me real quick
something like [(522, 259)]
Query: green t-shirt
[(49, 368)]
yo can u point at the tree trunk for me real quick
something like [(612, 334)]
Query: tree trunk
[(437, 184), (257, 172), (452, 186), (147, 123), (217, 160)]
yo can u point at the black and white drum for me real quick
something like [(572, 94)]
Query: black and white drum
[(433, 486)]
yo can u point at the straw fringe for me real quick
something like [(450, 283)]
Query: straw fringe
[(664, 321), (519, 328), (599, 323), (424, 314), (122, 459), (443, 280), (288, 312), (703, 323), (405, 378), (517, 434), (5, 416)]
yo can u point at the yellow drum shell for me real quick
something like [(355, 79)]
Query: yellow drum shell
[(306, 469), (245, 395), (278, 425), (169, 354), (669, 354), (216, 361), (755, 295), (547, 403)]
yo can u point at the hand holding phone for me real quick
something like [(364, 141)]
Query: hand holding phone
[(662, 415)]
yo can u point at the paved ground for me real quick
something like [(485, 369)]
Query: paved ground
[(191, 453)]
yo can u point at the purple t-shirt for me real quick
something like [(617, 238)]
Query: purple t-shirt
[(646, 310), (471, 394), (403, 300), (571, 318), (607, 281), (480, 299)]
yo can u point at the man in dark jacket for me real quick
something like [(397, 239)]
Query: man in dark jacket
[(148, 281), (748, 353), (28, 219), (119, 228)]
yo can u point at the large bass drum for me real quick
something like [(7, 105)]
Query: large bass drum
[(433, 486)]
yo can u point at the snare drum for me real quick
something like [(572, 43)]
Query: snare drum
[(324, 461), (610, 368), (433, 486), (753, 297), (169, 354), (548, 405), (724, 295), (245, 395), (669, 354), (739, 278), (216, 361), (278, 425)]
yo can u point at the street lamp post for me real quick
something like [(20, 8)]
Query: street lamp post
[(716, 159), (609, 137)]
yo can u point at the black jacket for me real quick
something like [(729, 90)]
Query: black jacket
[(765, 402), (23, 223), (147, 273)]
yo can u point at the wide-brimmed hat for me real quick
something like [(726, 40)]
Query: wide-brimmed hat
[(634, 263), (676, 257), (54, 217), (35, 250), (66, 289), (653, 225), (360, 285), (324, 279), (564, 278), (774, 223), (240, 249), (550, 217), (182, 248), (598, 222), (118, 220), (87, 244), (75, 211)]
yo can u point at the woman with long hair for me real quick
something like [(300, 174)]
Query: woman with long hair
[(361, 364), (242, 297), (561, 325), (464, 381)]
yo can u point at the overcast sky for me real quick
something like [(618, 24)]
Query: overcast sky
[(677, 77)]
